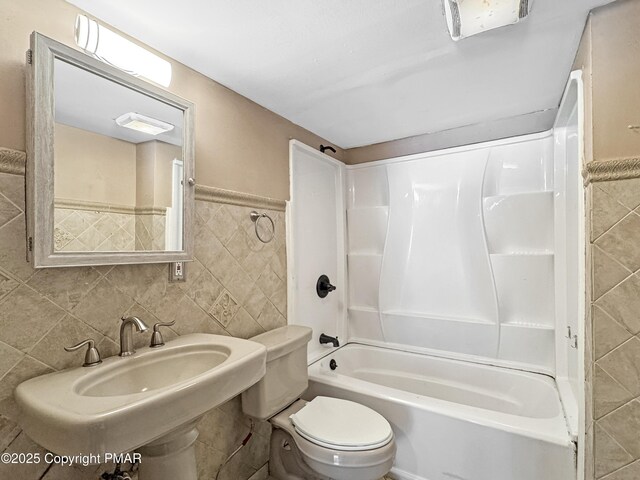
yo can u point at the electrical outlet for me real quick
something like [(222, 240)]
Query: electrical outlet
[(177, 272)]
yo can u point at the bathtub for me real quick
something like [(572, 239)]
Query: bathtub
[(454, 420)]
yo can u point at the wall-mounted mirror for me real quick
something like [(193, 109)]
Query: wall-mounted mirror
[(110, 164)]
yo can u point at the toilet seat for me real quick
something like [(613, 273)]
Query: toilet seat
[(341, 425)]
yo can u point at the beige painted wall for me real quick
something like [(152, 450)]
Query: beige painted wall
[(93, 167), (97, 168), (145, 166), (615, 50), (239, 145), (608, 56)]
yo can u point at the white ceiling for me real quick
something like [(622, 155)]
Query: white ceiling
[(359, 72), (91, 102)]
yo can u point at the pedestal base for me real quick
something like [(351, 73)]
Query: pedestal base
[(172, 457)]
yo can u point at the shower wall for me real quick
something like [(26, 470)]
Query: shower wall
[(316, 234), (451, 252)]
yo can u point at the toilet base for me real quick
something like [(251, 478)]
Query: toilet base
[(285, 461)]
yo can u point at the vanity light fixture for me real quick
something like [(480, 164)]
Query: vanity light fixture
[(470, 17), (111, 48), (142, 123)]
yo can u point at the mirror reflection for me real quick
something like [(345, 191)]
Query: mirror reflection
[(118, 166)]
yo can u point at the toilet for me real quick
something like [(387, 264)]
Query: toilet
[(323, 439)]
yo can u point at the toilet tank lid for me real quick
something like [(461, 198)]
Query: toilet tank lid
[(283, 340)]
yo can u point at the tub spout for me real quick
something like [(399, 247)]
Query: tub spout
[(327, 339)]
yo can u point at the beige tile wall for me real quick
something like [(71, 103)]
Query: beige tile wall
[(615, 315), (150, 232), (236, 286), (90, 230), (87, 230)]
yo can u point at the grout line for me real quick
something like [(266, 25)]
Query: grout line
[(614, 287), (608, 475), (612, 319), (621, 180), (611, 257), (47, 470), (12, 203), (611, 196), (614, 349), (614, 225), (617, 382), (14, 365), (58, 322), (614, 410)]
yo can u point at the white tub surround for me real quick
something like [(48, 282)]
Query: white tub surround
[(454, 419), (451, 253), (315, 244)]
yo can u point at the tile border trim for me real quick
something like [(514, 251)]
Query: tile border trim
[(609, 170), (72, 204), (231, 197), (12, 161)]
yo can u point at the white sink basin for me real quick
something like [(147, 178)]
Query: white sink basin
[(126, 403), (152, 372)]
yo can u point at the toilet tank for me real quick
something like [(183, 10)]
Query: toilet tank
[(287, 375)]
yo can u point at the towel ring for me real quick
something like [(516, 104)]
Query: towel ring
[(255, 218)]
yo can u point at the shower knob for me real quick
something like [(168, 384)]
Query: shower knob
[(323, 286)]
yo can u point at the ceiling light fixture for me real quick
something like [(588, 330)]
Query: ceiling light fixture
[(142, 123), (119, 52), (470, 17)]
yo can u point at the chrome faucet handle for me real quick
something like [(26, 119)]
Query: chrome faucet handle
[(156, 337), (92, 357)]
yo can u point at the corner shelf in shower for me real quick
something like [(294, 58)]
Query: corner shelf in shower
[(428, 316), (364, 309), (529, 325), (534, 193), (519, 229), (367, 208), (542, 253)]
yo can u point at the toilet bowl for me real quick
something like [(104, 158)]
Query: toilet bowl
[(327, 448), (323, 439)]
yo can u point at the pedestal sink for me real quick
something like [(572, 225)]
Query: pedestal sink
[(153, 399)]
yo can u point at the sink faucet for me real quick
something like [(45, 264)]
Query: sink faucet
[(126, 334)]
